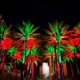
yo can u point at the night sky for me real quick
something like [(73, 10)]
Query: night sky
[(40, 12)]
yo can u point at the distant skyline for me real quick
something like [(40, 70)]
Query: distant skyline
[(40, 12)]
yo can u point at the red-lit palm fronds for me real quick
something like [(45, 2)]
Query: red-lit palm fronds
[(17, 56), (33, 59), (5, 42), (58, 35), (69, 58), (29, 43), (27, 30), (74, 41)]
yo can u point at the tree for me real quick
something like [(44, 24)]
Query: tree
[(69, 57), (74, 41), (58, 35), (27, 36), (5, 41), (31, 59)]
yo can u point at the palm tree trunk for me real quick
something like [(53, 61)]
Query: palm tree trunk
[(53, 70), (56, 71), (32, 69), (56, 66), (3, 61), (60, 63), (61, 71), (14, 66), (78, 71), (22, 76), (23, 60), (50, 66), (9, 68), (72, 70)]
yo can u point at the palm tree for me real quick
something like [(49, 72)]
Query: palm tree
[(74, 50), (74, 41), (31, 59), (5, 41), (27, 33), (11, 53), (58, 35), (69, 57), (50, 54)]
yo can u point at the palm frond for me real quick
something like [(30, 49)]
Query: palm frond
[(64, 29), (4, 30), (60, 25), (34, 51), (48, 32), (50, 49), (35, 29), (21, 30), (11, 51), (78, 26), (73, 48)]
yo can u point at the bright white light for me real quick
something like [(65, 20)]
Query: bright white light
[(45, 69)]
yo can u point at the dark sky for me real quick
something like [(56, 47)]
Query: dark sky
[(40, 12)]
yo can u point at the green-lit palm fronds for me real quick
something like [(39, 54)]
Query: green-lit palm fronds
[(61, 48), (66, 59), (56, 34), (34, 51), (11, 51), (57, 30), (27, 29), (50, 49), (4, 30), (73, 48)]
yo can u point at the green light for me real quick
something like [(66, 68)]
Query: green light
[(11, 51), (50, 49)]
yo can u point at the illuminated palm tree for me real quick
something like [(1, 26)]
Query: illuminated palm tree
[(31, 59), (74, 41), (11, 52), (69, 57), (27, 36), (4, 30), (52, 54), (58, 35), (74, 50), (5, 41), (27, 30)]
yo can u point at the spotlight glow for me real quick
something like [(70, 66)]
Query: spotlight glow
[(45, 70)]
